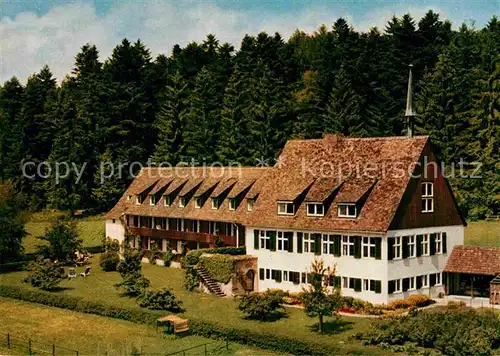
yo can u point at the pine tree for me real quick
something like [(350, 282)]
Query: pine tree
[(171, 123)]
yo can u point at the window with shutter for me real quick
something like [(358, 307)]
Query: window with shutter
[(419, 245), (317, 244), (256, 239), (391, 286), (272, 240), (405, 246), (357, 284), (432, 279), (432, 244), (357, 246), (378, 287), (406, 284), (378, 247), (289, 238), (299, 242), (390, 248), (336, 245), (261, 274), (443, 236)]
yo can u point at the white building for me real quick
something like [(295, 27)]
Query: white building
[(377, 208)]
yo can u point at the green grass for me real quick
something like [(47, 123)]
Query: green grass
[(99, 287), (90, 229), (483, 233), (92, 334)]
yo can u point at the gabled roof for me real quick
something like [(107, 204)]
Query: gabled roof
[(161, 184), (223, 186), (354, 189), (190, 186), (474, 260), (240, 186)]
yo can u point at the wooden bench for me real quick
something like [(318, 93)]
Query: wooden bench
[(176, 324)]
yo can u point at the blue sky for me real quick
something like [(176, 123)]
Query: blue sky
[(36, 32)]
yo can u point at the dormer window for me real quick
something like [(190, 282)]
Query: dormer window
[(168, 200), (315, 209), (152, 200), (138, 200), (232, 204), (182, 202), (197, 203), (286, 208), (129, 197), (427, 197), (215, 203), (347, 210), (250, 203)]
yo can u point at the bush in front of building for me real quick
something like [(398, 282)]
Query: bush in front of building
[(44, 275), (163, 299), (191, 279), (193, 257), (452, 332), (263, 306), (220, 267)]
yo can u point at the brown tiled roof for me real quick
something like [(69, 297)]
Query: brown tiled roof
[(190, 185), (386, 159), (322, 188), (223, 186), (192, 177), (474, 260), (162, 183), (306, 170)]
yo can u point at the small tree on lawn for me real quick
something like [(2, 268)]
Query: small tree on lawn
[(263, 306), (63, 241), (44, 275), (110, 259), (133, 282), (317, 299)]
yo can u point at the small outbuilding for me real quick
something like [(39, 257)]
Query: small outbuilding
[(473, 271)]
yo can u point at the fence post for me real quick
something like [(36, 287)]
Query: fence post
[(76, 353), (8, 340), (29, 347), (53, 349), (205, 349), (227, 344)]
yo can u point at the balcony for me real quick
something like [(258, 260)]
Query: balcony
[(182, 235)]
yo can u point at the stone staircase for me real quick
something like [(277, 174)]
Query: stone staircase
[(212, 286)]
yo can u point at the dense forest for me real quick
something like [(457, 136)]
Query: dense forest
[(209, 102)]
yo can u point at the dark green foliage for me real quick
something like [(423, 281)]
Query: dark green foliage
[(160, 300), (12, 225), (44, 275), (193, 257), (133, 283), (208, 103), (168, 257), (131, 263), (63, 241), (452, 332), (109, 261), (191, 278), (263, 306)]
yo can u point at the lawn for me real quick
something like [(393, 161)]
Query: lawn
[(90, 229), (99, 287), (483, 233), (92, 334)]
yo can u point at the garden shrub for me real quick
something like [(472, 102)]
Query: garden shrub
[(420, 300), (220, 267), (109, 261), (453, 332), (456, 304), (263, 306), (131, 264), (399, 304), (44, 275), (192, 258), (160, 300), (191, 279), (134, 285), (167, 258)]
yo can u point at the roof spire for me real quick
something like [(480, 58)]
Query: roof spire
[(409, 105)]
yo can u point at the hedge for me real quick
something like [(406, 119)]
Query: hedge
[(193, 257), (220, 267), (13, 266), (142, 316)]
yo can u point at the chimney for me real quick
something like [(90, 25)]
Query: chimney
[(410, 113)]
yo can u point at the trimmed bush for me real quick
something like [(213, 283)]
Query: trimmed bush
[(193, 257), (220, 267), (46, 276), (134, 285), (191, 279), (160, 300), (109, 261), (263, 306)]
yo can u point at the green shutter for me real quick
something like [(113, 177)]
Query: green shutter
[(337, 245), (357, 246), (390, 245), (443, 241), (256, 239), (299, 242), (378, 287), (337, 282), (405, 246), (420, 238), (278, 275), (406, 284), (432, 279), (391, 286), (317, 244), (289, 236), (261, 274), (272, 240), (378, 248), (432, 247), (357, 284)]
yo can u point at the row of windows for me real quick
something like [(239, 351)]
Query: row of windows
[(356, 284), (345, 210), (317, 243), (414, 283), (417, 245), (198, 202)]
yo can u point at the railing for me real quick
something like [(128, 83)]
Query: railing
[(182, 235), (34, 347), (224, 345)]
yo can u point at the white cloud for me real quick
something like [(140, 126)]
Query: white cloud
[(29, 41)]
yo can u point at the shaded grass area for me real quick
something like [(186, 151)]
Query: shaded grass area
[(483, 233), (91, 229), (94, 335), (99, 287)]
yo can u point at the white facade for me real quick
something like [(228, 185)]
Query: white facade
[(350, 267), (115, 230)]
